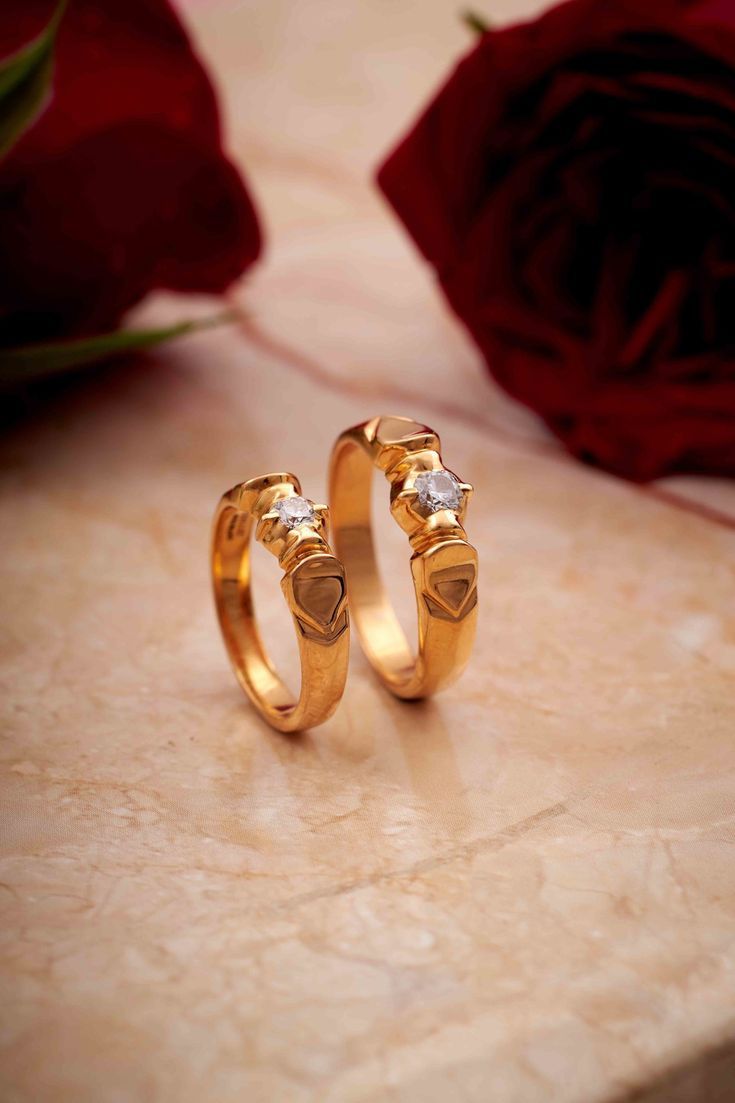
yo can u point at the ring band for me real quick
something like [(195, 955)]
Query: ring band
[(429, 504), (294, 530)]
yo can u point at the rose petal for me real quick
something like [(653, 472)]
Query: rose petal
[(572, 183), (122, 186)]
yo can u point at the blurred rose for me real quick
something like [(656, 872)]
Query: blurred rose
[(573, 184), (121, 186)]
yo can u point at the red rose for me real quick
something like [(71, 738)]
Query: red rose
[(121, 186), (573, 184)]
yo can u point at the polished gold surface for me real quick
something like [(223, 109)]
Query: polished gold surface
[(519, 891), (443, 564), (313, 585)]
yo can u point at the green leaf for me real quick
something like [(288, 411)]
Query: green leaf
[(32, 362), (475, 22), (25, 82)]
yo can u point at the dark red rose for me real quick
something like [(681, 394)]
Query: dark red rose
[(573, 184), (121, 186)]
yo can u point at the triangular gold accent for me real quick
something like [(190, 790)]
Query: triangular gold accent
[(319, 597), (453, 591)]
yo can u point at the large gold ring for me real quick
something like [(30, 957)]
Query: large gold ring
[(294, 530), (429, 503)]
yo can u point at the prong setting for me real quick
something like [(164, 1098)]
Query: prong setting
[(427, 499), (290, 525)]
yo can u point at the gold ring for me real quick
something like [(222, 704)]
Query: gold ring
[(429, 504), (294, 530)]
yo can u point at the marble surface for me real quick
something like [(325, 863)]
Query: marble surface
[(522, 891)]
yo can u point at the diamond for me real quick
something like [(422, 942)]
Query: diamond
[(438, 490), (295, 511)]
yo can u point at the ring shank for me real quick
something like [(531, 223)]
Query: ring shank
[(323, 661), (231, 570), (444, 573), (234, 600), (383, 639)]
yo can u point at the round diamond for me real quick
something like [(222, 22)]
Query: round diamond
[(295, 511), (438, 490)]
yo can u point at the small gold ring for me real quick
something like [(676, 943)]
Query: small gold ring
[(294, 530), (429, 504)]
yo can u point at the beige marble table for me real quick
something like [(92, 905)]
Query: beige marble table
[(521, 892)]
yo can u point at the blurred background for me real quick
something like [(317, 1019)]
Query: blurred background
[(520, 891)]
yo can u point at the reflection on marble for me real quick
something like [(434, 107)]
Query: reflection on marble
[(521, 891)]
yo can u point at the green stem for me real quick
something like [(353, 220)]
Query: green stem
[(30, 362), (475, 22)]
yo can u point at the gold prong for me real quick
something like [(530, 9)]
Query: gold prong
[(265, 525)]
